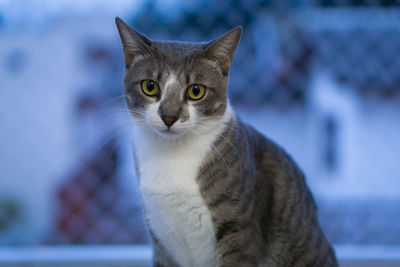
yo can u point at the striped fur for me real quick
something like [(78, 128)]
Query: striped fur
[(262, 210)]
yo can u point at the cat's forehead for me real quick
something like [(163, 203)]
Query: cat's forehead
[(180, 58), (175, 50)]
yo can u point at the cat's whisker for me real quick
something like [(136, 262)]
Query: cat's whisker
[(112, 100), (196, 53), (153, 58), (114, 133), (226, 126), (220, 135), (126, 135), (193, 58), (213, 149)]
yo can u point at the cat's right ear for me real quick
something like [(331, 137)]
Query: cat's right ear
[(134, 42), (222, 49)]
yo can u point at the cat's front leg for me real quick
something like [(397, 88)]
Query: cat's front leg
[(161, 257), (238, 258), (237, 245)]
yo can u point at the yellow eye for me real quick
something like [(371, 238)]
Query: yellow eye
[(195, 91), (150, 87)]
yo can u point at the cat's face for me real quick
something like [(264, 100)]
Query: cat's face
[(176, 88)]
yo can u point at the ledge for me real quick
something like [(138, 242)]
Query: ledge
[(135, 255)]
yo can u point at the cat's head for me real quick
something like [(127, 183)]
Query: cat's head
[(175, 88)]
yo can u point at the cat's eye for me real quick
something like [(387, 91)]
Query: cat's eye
[(195, 91), (150, 87)]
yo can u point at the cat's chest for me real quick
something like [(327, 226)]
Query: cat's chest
[(175, 209)]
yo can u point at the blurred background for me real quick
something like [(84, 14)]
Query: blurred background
[(320, 77)]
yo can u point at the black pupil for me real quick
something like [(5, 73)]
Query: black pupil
[(196, 90), (150, 86)]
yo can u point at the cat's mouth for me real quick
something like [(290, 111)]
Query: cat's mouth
[(169, 130), (169, 133)]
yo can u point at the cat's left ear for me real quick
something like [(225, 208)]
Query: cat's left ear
[(133, 41), (222, 49)]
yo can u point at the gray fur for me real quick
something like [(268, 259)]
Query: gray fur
[(261, 208)]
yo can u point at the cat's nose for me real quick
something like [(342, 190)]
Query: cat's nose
[(169, 120)]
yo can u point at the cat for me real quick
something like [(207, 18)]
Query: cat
[(215, 191)]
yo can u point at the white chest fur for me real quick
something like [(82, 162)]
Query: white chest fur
[(174, 207)]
